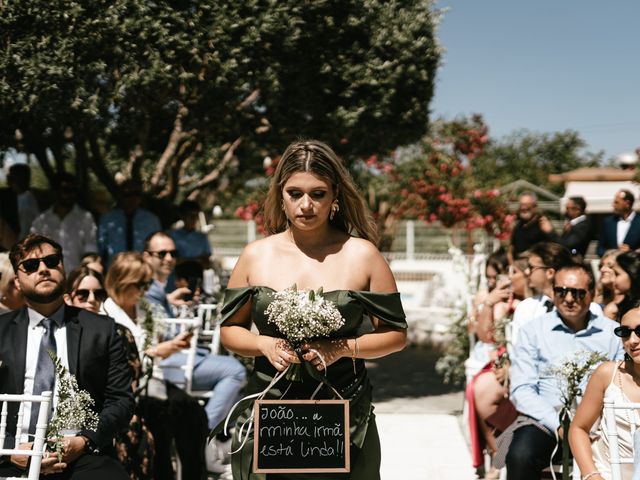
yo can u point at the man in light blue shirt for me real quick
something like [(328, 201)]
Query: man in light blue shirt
[(125, 228), (544, 343)]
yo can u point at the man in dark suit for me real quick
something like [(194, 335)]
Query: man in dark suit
[(621, 230), (86, 343), (576, 233)]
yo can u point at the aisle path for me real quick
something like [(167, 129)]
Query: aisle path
[(418, 420)]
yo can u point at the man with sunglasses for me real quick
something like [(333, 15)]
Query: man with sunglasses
[(542, 344), (222, 374), (66, 223), (86, 343)]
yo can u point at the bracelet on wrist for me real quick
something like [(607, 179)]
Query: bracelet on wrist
[(354, 354), (589, 475)]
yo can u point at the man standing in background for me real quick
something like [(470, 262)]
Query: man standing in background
[(67, 223)]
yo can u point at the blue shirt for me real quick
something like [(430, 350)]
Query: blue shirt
[(545, 343), (112, 235), (190, 244)]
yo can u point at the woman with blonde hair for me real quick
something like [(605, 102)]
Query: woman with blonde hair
[(321, 235), (128, 277)]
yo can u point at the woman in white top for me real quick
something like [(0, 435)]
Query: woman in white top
[(617, 380)]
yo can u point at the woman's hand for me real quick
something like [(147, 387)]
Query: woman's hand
[(331, 351), (277, 351), (168, 348)]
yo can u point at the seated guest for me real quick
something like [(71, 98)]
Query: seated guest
[(576, 233), (10, 296), (191, 244), (134, 445), (180, 417), (606, 294), (543, 344), (67, 223), (125, 228), (93, 261), (543, 260), (627, 276), (86, 343), (488, 392), (620, 231), (617, 381), (222, 374)]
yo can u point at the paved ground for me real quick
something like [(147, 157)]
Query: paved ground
[(419, 419)]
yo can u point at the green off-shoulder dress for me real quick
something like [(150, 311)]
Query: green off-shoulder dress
[(365, 444)]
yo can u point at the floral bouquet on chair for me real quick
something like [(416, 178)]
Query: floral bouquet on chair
[(73, 410), (302, 316), (570, 376)]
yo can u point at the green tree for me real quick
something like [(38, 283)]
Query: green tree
[(532, 156), (177, 93)]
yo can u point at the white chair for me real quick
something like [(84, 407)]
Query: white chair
[(41, 429), (208, 314), (610, 406), (172, 327)]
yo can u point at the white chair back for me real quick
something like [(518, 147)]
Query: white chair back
[(208, 314), (41, 429), (174, 326), (610, 406)]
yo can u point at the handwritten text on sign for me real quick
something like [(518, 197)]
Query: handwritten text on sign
[(301, 436)]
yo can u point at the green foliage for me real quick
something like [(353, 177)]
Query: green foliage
[(533, 156), (456, 350), (170, 92)]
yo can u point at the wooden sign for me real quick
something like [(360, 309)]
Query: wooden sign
[(296, 436)]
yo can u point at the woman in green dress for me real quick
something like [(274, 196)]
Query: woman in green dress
[(313, 213)]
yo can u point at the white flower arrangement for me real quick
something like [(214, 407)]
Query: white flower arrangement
[(302, 316), (73, 409), (570, 375)]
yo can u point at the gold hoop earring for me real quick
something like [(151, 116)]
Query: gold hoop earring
[(335, 207)]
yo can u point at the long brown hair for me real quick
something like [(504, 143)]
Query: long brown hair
[(319, 159)]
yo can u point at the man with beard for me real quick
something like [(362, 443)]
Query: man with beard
[(67, 223), (86, 343)]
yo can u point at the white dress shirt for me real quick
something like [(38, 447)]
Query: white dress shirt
[(622, 227), (34, 337), (76, 233)]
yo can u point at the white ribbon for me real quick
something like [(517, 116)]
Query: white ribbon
[(243, 435)]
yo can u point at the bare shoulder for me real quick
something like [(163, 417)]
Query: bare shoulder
[(604, 373), (361, 249), (250, 259), (365, 256)]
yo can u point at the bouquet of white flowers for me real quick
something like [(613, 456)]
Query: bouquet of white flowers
[(570, 375), (302, 316), (73, 410)]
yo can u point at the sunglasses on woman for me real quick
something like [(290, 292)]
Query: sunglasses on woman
[(625, 332), (83, 294), (31, 265)]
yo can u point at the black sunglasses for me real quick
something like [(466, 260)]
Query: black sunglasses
[(99, 294), (576, 293), (31, 265), (625, 332), (163, 253)]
